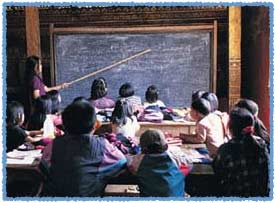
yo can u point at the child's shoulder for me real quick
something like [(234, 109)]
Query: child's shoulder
[(15, 128), (209, 119), (160, 103)]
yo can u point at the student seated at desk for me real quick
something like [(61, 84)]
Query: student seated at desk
[(152, 106), (81, 164), (42, 108), (16, 135), (241, 165), (160, 170), (42, 118), (127, 93), (152, 99), (209, 129), (224, 117), (195, 95), (47, 151), (123, 121), (98, 96), (55, 107)]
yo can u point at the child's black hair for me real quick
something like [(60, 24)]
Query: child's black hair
[(126, 90), (248, 104), (202, 106), (151, 94), (54, 95), (42, 107), (197, 94), (121, 112), (259, 128), (239, 119), (80, 98), (212, 98), (98, 88), (153, 141), (14, 108), (79, 117)]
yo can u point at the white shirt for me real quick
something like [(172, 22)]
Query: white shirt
[(129, 129), (157, 103)]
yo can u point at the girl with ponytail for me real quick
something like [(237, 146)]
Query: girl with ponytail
[(241, 165), (259, 128)]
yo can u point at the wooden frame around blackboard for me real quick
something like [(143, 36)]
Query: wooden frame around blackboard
[(213, 28)]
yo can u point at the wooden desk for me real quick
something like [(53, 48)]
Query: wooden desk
[(200, 181), (175, 128), (24, 180), (121, 190), (33, 166)]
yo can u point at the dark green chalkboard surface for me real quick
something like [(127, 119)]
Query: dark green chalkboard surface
[(178, 64)]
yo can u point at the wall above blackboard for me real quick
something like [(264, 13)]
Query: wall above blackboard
[(182, 59)]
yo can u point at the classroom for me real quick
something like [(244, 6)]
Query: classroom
[(137, 100)]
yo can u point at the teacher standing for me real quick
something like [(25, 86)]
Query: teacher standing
[(34, 84)]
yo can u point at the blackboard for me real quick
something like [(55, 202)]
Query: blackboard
[(178, 64)]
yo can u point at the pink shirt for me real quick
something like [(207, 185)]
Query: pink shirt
[(209, 130), (103, 103)]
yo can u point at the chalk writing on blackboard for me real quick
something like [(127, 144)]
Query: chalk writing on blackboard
[(178, 63)]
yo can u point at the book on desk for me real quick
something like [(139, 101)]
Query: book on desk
[(20, 158)]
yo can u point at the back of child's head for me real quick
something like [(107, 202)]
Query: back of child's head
[(43, 105), (212, 98), (14, 109), (153, 141), (151, 94), (80, 98), (126, 90), (248, 104), (202, 106), (55, 98), (241, 122), (79, 117), (241, 125), (98, 88), (197, 94), (121, 112), (252, 107)]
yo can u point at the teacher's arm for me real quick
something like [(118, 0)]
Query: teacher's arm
[(58, 87)]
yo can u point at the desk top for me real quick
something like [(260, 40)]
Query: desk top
[(33, 166), (163, 123), (202, 169), (23, 159), (198, 168), (193, 146)]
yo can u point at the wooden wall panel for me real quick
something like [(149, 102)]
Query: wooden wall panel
[(32, 31), (234, 54), (117, 17), (255, 58)]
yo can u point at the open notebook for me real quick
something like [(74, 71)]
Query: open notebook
[(17, 157), (197, 155)]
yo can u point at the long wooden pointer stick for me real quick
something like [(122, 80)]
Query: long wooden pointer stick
[(110, 66)]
